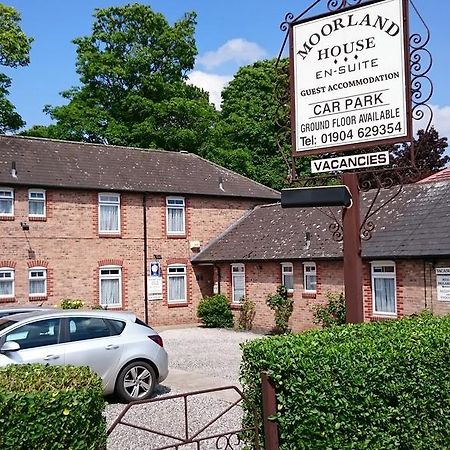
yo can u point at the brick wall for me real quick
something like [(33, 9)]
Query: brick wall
[(263, 278), (68, 244)]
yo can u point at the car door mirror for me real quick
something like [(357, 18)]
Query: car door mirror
[(10, 346)]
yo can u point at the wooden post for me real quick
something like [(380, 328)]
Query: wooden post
[(269, 409), (353, 277)]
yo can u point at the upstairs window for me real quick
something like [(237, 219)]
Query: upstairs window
[(384, 288), (176, 284), (37, 282), (6, 282), (309, 277), (109, 213), (175, 215), (287, 276), (6, 202), (36, 203), (110, 286), (237, 283)]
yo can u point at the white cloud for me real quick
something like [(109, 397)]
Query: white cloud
[(441, 120), (210, 82), (237, 50)]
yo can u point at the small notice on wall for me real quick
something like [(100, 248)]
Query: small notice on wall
[(443, 284), (154, 281)]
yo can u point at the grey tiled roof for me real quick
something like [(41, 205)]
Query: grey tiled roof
[(415, 224), (52, 163)]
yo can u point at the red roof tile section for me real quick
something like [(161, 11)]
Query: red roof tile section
[(442, 175)]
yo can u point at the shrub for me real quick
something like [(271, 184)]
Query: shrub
[(215, 312), (68, 303), (283, 306), (382, 385), (51, 407), (332, 313), (246, 314)]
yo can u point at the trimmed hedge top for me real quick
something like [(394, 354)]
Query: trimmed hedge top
[(38, 378), (366, 386)]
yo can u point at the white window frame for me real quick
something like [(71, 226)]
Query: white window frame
[(44, 277), (7, 197), (385, 275), (240, 272), (41, 200), (307, 273), (108, 203), (173, 271), (109, 276), (10, 270), (287, 269), (181, 205)]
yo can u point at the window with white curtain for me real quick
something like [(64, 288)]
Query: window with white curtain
[(237, 283), (175, 215), (309, 277), (110, 286), (287, 276), (384, 288), (176, 284), (6, 282), (36, 203), (37, 282), (6, 202), (109, 213)]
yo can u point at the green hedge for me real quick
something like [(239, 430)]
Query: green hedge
[(51, 407), (383, 385)]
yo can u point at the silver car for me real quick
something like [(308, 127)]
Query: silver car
[(126, 353)]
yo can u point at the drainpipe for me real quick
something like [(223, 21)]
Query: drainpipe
[(425, 282), (144, 214)]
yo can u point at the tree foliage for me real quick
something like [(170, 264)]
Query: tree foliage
[(429, 151), (14, 52), (133, 84), (246, 136)]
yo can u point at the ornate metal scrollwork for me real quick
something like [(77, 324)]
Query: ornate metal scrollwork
[(421, 62), (336, 5), (337, 231), (228, 442)]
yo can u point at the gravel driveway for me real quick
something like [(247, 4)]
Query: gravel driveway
[(199, 358)]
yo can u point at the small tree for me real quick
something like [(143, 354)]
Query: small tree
[(283, 305), (246, 314), (332, 313)]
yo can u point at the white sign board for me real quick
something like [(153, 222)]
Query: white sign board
[(443, 284), (350, 75), (349, 162), (154, 288)]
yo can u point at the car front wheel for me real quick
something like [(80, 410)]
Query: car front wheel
[(136, 381)]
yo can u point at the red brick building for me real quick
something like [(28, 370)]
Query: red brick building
[(406, 263), (87, 221)]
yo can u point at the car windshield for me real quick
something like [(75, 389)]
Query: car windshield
[(4, 323)]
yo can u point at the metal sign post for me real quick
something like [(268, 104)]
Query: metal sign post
[(353, 276)]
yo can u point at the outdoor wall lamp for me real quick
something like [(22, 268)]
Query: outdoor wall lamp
[(25, 226)]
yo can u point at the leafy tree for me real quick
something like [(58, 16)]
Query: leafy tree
[(429, 150), (246, 136), (133, 84), (14, 52)]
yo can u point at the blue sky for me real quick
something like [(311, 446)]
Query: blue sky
[(229, 34)]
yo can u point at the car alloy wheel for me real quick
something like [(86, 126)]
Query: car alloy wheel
[(136, 381)]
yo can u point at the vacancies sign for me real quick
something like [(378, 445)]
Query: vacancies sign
[(350, 73)]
